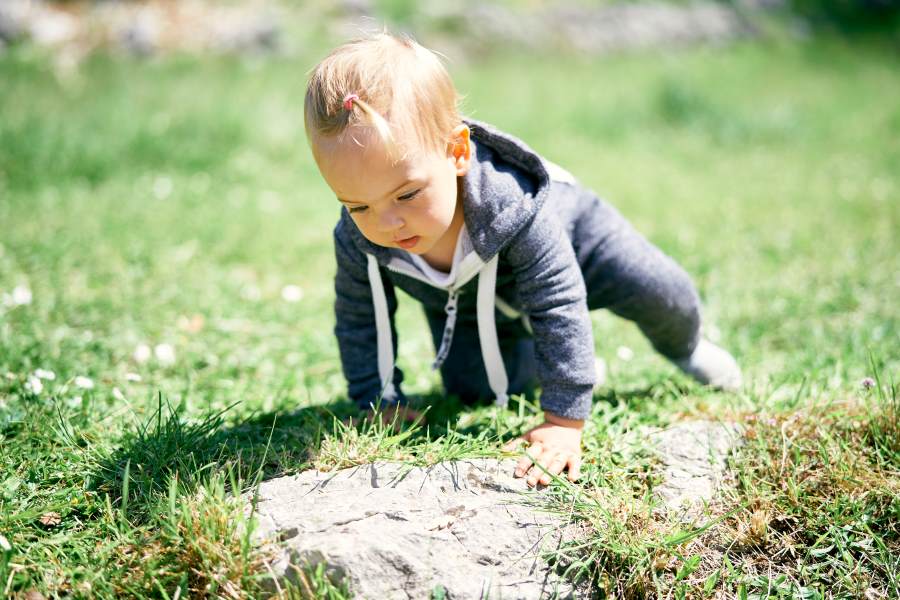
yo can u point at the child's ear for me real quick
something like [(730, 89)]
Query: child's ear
[(460, 149)]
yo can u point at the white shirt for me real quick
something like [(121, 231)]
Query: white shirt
[(440, 278)]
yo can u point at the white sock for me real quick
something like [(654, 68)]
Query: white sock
[(712, 366), (600, 368)]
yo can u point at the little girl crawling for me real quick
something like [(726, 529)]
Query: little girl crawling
[(506, 252)]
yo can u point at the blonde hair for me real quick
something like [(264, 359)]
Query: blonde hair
[(400, 88)]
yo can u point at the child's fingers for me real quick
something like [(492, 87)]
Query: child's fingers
[(534, 453), (513, 445), (556, 467), (539, 472), (574, 463), (552, 466)]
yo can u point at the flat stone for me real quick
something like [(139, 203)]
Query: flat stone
[(395, 531), (693, 455)]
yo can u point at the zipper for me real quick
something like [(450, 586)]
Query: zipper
[(468, 269), (449, 327)]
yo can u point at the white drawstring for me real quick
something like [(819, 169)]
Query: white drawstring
[(487, 333), (383, 328), (504, 307)]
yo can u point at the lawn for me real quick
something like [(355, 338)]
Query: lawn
[(165, 255)]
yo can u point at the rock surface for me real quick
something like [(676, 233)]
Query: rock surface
[(401, 532), (693, 456), (466, 527)]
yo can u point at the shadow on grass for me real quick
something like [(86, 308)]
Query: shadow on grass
[(165, 446), (138, 471)]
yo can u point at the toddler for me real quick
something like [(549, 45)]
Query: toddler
[(506, 252)]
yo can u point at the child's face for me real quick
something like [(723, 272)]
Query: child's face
[(409, 204)]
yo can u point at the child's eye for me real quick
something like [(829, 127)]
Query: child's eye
[(409, 196)]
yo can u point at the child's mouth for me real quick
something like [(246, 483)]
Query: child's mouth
[(408, 242)]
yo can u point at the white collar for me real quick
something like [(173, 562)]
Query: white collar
[(440, 278)]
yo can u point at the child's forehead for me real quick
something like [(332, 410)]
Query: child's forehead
[(363, 147), (360, 169), (356, 143)]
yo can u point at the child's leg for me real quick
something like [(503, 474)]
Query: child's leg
[(463, 371), (634, 279)]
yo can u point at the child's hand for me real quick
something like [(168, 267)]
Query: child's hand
[(555, 445), (388, 415)]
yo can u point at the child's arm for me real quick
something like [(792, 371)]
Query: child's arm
[(355, 323), (549, 288), (554, 445)]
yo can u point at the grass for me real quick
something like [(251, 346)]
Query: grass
[(171, 202)]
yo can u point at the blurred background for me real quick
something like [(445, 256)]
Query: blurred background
[(72, 29)]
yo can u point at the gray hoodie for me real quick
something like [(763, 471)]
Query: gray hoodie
[(522, 224)]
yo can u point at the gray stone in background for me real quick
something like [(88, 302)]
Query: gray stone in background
[(648, 25), (145, 28), (592, 30), (398, 532)]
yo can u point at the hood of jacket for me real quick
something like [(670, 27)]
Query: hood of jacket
[(505, 187)]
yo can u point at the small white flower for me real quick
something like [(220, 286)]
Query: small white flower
[(117, 394), (85, 383), (251, 292), (45, 374), (4, 544), (142, 353), (34, 385), (162, 187), (75, 401), (600, 370), (132, 376), (10, 376), (624, 353), (165, 354), (291, 293), (21, 295)]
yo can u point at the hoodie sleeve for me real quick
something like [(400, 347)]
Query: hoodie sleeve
[(552, 293), (355, 327)]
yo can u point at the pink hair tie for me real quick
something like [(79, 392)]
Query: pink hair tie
[(348, 101)]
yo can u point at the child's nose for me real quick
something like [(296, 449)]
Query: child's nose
[(390, 221)]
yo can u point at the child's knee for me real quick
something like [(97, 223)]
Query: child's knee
[(663, 301), (673, 326)]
